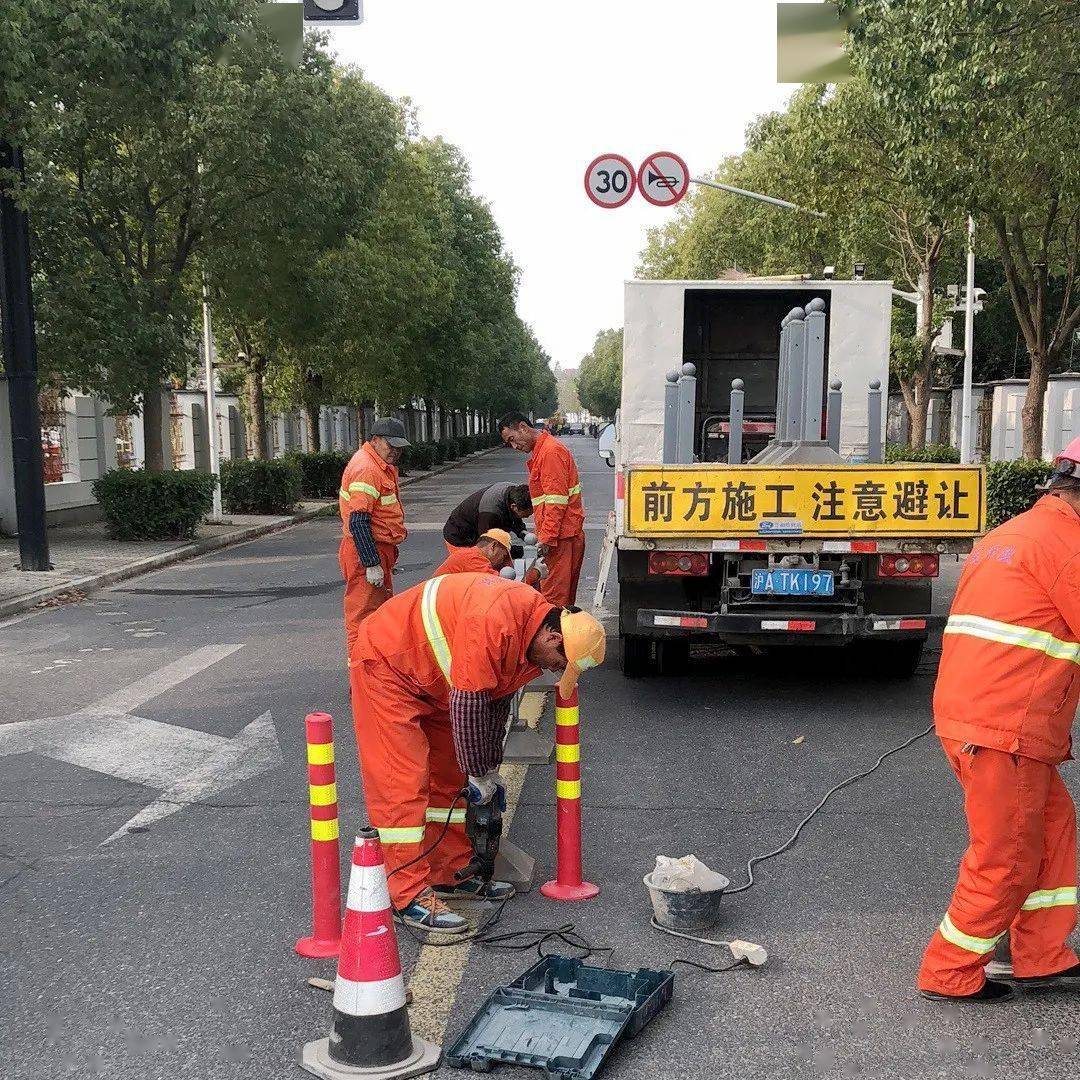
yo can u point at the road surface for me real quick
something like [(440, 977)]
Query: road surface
[(173, 706)]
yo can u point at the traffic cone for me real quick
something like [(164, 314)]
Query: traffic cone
[(371, 1036)]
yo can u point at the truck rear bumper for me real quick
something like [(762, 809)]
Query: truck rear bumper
[(757, 628)]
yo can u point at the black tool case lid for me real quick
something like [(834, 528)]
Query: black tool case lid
[(561, 1016)]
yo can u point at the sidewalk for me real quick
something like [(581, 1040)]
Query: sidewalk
[(85, 558)]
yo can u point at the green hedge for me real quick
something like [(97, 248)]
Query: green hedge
[(154, 506), (932, 452), (262, 487), (1010, 488), (321, 472)]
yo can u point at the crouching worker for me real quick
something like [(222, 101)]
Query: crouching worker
[(432, 675), (487, 556)]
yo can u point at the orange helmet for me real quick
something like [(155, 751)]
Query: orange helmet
[(500, 536), (584, 643)]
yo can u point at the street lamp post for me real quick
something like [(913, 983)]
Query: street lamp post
[(211, 401), (969, 340)]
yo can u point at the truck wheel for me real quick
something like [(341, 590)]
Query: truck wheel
[(673, 656), (891, 659), (636, 656)]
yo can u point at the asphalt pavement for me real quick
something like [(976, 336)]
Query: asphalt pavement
[(173, 705)]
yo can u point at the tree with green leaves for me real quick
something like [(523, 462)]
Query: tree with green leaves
[(599, 380), (983, 97)]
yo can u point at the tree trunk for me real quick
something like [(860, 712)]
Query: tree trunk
[(152, 420), (1031, 415), (313, 416), (255, 413), (922, 381)]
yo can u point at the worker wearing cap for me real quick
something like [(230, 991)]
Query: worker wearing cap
[(497, 506), (373, 523), (1004, 705), (489, 555), (559, 520), (432, 674)]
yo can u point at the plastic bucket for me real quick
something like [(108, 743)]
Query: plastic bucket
[(691, 909)]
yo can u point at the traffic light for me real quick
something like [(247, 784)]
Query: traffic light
[(317, 11)]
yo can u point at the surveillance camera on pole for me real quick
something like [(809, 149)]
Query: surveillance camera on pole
[(322, 11)]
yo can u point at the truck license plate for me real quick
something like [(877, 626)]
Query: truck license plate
[(792, 582)]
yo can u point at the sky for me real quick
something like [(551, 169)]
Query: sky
[(532, 92)]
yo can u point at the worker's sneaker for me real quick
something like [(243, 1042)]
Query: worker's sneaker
[(1069, 979), (989, 991), (428, 912), (476, 889)]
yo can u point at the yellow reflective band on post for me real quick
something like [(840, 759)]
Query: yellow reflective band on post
[(438, 815), (566, 717), (1009, 634), (568, 789), (406, 835), (323, 794), (367, 489), (320, 753), (978, 945), (324, 830), (387, 500), (1047, 898), (433, 628), (567, 752)]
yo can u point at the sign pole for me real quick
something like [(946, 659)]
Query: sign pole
[(969, 342)]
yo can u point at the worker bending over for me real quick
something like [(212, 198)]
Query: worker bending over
[(373, 523), (432, 674), (1004, 704), (487, 556), (497, 506), (555, 489)]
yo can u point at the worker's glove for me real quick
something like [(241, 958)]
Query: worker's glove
[(482, 789), (375, 575), (543, 549), (541, 568)]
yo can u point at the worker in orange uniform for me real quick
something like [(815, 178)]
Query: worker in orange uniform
[(489, 555), (372, 521), (1004, 705), (432, 673), (559, 516)]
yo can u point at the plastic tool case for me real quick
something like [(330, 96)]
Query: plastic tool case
[(561, 1016)]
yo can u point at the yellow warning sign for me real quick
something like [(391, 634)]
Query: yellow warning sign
[(846, 500)]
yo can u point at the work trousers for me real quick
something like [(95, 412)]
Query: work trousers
[(362, 598), (564, 569), (1018, 875), (411, 778)]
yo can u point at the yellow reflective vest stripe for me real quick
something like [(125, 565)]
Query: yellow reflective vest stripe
[(1010, 634), (433, 627), (367, 489)]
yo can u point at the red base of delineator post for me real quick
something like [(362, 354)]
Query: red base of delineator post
[(318, 948), (554, 891)]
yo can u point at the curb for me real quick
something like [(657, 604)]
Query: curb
[(93, 582)]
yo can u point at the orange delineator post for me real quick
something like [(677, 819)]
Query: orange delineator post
[(568, 884), (325, 939)]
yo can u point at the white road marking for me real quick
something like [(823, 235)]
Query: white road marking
[(183, 764)]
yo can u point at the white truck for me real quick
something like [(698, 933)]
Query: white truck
[(781, 554)]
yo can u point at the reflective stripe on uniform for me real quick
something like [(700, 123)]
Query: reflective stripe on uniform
[(1045, 898), (405, 835), (979, 945), (575, 490), (387, 500), (551, 500), (367, 489), (1009, 634), (438, 814), (433, 628), (343, 494)]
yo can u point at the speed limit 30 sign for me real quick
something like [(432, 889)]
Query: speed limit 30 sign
[(610, 181)]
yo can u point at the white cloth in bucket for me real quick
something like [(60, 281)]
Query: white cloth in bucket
[(682, 875)]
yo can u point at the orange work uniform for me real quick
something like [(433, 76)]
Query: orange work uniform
[(555, 489), (463, 560), (467, 632), (1004, 704), (368, 485)]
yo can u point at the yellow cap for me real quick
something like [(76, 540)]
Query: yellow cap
[(500, 536), (584, 642)]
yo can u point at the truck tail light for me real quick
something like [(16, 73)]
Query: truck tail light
[(679, 563), (910, 566)]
